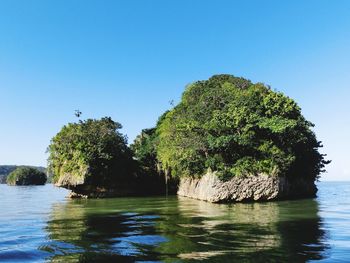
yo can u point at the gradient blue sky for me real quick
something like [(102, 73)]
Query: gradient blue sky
[(128, 59)]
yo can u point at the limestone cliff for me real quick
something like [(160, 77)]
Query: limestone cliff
[(250, 188)]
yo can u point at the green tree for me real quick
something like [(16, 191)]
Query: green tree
[(232, 126), (144, 149), (26, 176), (91, 152)]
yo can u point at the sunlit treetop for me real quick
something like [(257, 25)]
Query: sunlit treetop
[(235, 127)]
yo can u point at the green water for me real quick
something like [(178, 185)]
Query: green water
[(39, 224)]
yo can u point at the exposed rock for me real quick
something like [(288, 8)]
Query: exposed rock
[(258, 188), (69, 180), (140, 186)]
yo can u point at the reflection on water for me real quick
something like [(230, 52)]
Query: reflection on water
[(184, 230)]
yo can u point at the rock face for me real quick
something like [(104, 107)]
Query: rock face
[(141, 186), (251, 188)]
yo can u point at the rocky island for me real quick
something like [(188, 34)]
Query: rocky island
[(5, 170), (227, 140), (26, 176), (232, 140), (92, 159)]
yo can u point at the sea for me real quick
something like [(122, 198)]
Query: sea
[(40, 224)]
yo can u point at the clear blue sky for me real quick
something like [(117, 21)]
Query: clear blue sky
[(128, 59)]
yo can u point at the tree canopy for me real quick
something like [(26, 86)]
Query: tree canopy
[(145, 150), (26, 176), (91, 151), (235, 127)]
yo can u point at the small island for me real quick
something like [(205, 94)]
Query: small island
[(5, 170), (227, 140), (26, 176), (92, 159)]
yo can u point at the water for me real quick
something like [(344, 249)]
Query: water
[(38, 224)]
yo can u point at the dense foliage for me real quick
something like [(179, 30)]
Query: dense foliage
[(225, 124), (93, 150), (5, 170), (26, 176), (148, 166), (145, 148), (145, 151), (232, 126)]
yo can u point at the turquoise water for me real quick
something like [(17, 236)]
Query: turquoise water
[(38, 224)]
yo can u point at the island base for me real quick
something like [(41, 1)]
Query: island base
[(250, 188)]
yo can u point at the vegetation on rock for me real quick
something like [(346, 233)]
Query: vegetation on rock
[(145, 148), (226, 125), (145, 151), (148, 166), (234, 127), (5, 170), (26, 176), (91, 152)]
